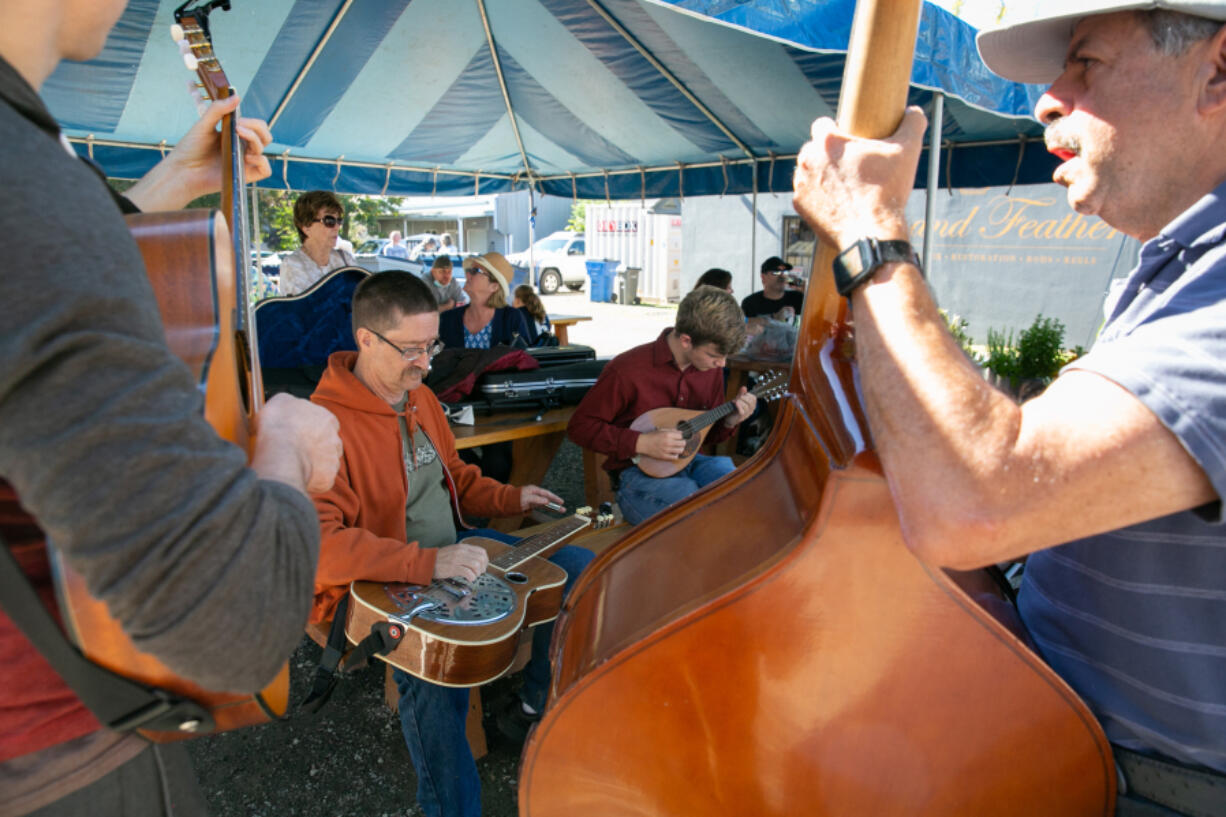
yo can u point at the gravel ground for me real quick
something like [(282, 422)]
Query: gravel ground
[(349, 759)]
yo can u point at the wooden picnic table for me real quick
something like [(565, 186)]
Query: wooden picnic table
[(561, 323), (533, 445)]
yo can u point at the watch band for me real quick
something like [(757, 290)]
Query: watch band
[(861, 260)]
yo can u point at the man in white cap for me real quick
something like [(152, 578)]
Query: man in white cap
[(1111, 481)]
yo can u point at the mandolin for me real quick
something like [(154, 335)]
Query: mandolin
[(694, 425), (456, 633), (198, 264)]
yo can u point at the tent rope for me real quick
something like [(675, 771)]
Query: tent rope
[(337, 175), (770, 177), (642, 187), (1017, 169), (723, 160), (285, 168), (387, 179), (574, 186), (681, 182)]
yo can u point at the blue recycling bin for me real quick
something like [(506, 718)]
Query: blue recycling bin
[(601, 274)]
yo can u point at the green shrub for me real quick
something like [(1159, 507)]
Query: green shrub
[(1037, 355)]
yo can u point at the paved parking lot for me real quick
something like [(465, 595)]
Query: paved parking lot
[(614, 328)]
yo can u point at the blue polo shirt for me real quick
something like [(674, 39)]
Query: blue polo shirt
[(1135, 619)]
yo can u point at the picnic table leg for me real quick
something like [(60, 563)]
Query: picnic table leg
[(561, 333)]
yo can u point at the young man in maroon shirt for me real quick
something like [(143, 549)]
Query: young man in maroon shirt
[(683, 368)]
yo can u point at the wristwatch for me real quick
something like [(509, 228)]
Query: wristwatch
[(861, 260)]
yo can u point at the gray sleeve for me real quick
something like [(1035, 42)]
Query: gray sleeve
[(102, 435), (1175, 363)]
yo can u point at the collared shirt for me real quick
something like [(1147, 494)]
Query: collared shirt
[(643, 378), (1135, 619)]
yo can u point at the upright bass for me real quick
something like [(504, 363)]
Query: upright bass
[(197, 262), (771, 647)]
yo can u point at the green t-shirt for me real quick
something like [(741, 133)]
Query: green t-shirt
[(427, 510)]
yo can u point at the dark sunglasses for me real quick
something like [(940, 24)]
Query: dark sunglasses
[(331, 221)]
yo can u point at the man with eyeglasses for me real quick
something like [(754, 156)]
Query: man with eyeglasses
[(318, 216), (395, 509)]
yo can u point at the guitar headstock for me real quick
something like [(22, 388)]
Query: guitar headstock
[(772, 385), (191, 32)]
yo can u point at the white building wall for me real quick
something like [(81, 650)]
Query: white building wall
[(719, 231)]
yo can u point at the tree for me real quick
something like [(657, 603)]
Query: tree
[(578, 215)]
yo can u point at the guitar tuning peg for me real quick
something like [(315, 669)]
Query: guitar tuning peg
[(191, 62), (176, 32), (184, 47)]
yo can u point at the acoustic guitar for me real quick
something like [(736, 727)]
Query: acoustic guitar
[(770, 646), (694, 425), (456, 633), (198, 266)]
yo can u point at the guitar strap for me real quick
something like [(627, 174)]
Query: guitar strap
[(335, 663), (119, 703)]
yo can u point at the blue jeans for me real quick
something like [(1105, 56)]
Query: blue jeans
[(433, 717), (641, 496)]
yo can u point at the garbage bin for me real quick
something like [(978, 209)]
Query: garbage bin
[(601, 274), (628, 289)]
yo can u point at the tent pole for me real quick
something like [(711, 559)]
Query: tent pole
[(753, 229), (531, 235), (934, 171)]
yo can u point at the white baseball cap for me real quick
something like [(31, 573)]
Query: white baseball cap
[(1034, 51)]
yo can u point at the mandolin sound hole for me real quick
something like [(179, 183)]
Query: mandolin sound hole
[(515, 578)]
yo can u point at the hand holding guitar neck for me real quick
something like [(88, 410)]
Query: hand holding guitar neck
[(743, 404), (193, 168)]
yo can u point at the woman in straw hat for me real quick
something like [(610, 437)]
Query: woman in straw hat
[(486, 321)]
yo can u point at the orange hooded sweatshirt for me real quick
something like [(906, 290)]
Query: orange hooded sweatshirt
[(362, 516)]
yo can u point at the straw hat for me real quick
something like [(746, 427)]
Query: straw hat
[(1034, 51), (498, 267)]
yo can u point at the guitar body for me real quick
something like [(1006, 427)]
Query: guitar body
[(187, 256), (460, 654), (668, 417)]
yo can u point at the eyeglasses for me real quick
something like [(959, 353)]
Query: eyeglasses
[(330, 221), (411, 354)]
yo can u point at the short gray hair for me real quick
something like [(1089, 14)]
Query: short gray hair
[(1174, 32)]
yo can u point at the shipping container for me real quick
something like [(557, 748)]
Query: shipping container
[(646, 238)]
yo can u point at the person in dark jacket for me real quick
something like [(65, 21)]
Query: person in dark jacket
[(486, 320)]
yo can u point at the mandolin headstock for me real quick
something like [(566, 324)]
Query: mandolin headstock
[(772, 386)]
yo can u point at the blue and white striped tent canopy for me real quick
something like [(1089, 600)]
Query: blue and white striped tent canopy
[(594, 98)]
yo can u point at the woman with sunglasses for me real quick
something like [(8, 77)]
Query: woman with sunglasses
[(318, 216), (486, 320)]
